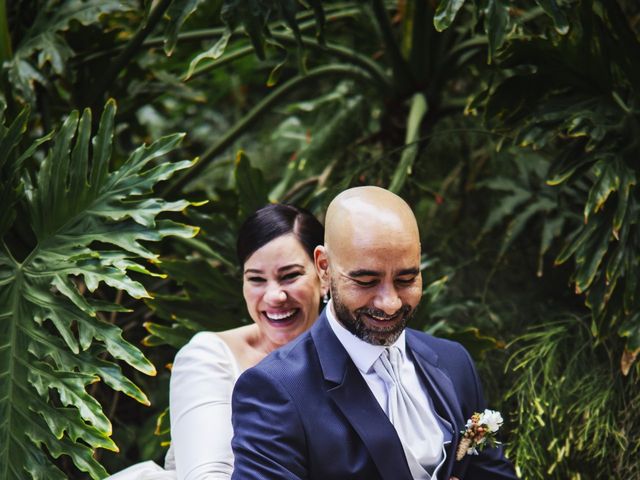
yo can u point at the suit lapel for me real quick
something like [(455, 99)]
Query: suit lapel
[(351, 394), (440, 389)]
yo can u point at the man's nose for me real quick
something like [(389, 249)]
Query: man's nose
[(387, 300), (275, 294)]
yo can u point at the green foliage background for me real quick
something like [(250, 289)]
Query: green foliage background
[(511, 127)]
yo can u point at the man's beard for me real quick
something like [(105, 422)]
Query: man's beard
[(357, 326)]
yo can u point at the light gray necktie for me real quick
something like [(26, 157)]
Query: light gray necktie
[(419, 432)]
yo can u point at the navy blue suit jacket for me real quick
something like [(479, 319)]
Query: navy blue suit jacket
[(305, 412)]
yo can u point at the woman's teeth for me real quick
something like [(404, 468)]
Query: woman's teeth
[(279, 316)]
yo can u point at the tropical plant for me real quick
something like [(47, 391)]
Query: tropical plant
[(568, 425), (74, 226), (524, 197), (414, 95), (576, 96), (218, 281), (572, 96)]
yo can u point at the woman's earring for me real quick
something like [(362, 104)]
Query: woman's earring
[(325, 297)]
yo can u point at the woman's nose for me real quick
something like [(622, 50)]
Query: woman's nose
[(275, 294)]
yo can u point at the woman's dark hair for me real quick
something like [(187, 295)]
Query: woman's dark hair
[(275, 220)]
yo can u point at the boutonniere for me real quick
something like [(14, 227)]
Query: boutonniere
[(480, 432)]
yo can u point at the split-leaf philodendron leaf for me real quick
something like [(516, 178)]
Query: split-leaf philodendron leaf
[(87, 224)]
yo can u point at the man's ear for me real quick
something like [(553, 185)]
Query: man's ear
[(321, 262)]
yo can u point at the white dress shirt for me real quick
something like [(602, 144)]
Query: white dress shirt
[(364, 355)]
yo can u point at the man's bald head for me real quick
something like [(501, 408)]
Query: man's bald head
[(368, 210), (371, 260)]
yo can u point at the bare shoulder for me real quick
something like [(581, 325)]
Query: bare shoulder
[(237, 337), (240, 341)]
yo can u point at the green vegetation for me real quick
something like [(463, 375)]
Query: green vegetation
[(512, 128)]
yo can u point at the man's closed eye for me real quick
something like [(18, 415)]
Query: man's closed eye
[(365, 283)]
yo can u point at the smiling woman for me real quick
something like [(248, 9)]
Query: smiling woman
[(280, 285), (282, 292)]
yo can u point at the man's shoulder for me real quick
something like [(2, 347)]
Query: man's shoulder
[(290, 360), (441, 352), (291, 352), (438, 344)]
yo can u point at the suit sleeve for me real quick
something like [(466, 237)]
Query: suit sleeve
[(490, 464), (269, 440)]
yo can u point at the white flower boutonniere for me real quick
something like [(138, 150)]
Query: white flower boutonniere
[(479, 433)]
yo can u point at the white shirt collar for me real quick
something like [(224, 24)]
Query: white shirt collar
[(363, 354)]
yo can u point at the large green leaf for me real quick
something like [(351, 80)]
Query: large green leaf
[(43, 46), (88, 223), (572, 94), (208, 282), (254, 16), (177, 13), (417, 112), (523, 199), (252, 190), (552, 9), (612, 176), (496, 24), (446, 13), (9, 185), (315, 135)]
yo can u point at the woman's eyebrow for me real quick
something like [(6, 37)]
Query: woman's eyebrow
[(280, 270), (252, 270), (289, 267)]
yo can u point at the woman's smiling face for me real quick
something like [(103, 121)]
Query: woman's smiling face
[(281, 289)]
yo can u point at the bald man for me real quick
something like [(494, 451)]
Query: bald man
[(360, 396)]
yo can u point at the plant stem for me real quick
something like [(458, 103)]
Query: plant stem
[(345, 54), (6, 54), (208, 33), (340, 52), (620, 24), (260, 109), (192, 36), (336, 50), (122, 60), (420, 29), (402, 75), (226, 58), (5, 38)]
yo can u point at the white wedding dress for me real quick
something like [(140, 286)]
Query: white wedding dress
[(202, 379)]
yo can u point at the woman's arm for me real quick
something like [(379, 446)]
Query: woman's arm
[(202, 380)]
